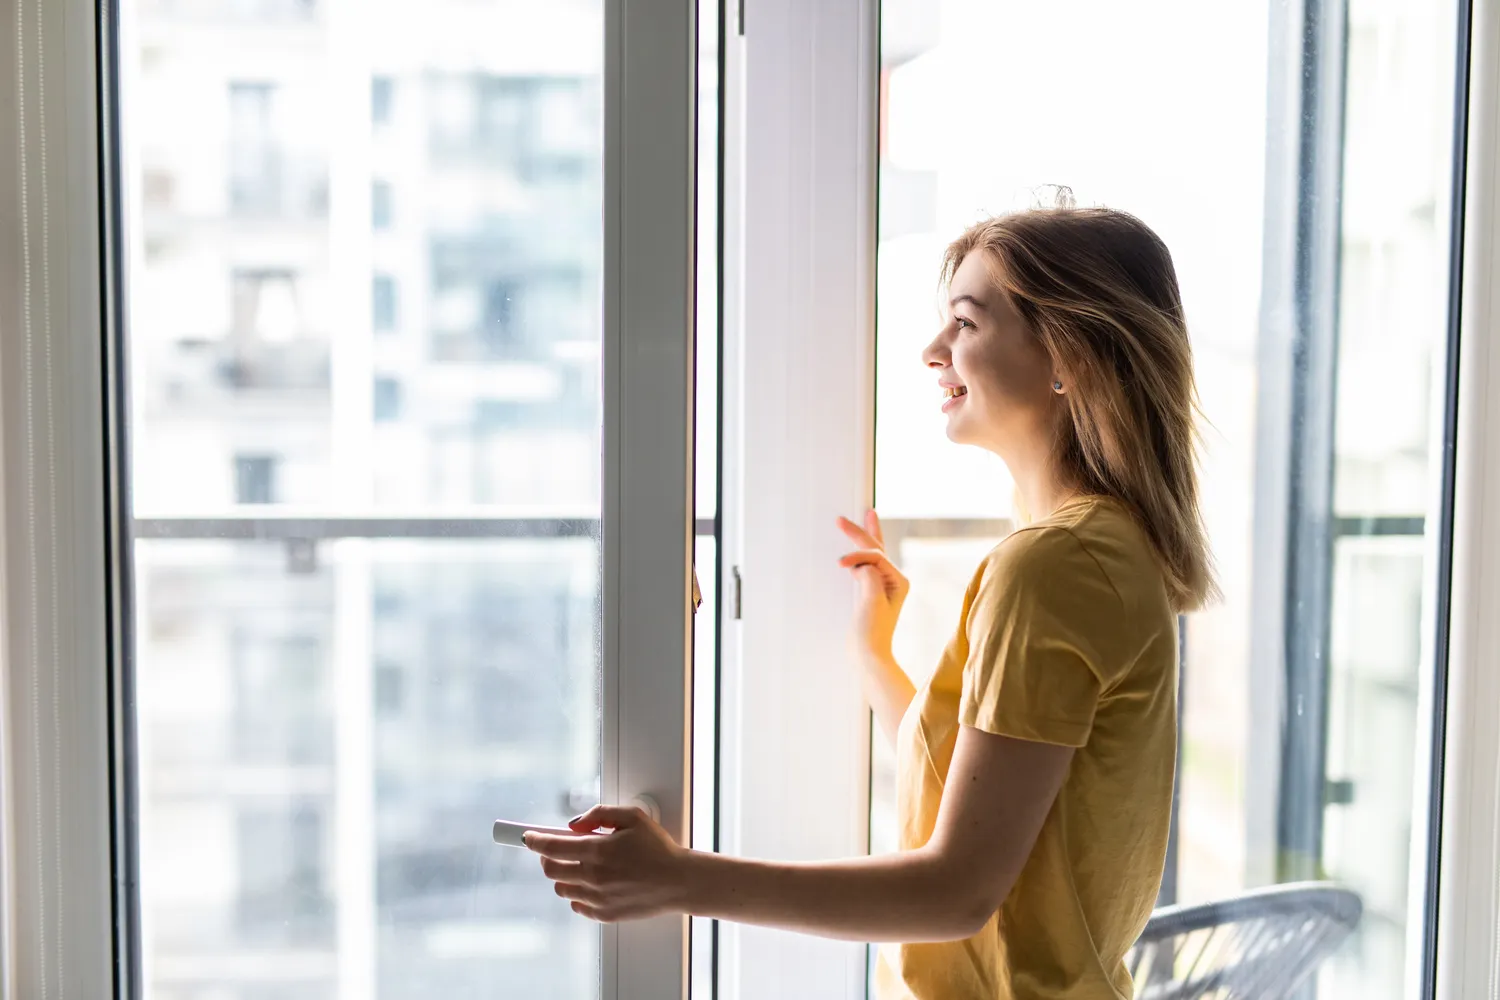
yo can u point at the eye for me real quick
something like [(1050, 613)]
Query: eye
[(963, 323)]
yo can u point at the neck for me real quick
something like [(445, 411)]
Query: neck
[(1040, 487), (1042, 502)]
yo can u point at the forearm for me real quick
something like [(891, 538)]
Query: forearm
[(888, 690), (911, 897)]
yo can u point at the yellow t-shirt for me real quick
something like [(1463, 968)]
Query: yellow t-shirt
[(1067, 637)]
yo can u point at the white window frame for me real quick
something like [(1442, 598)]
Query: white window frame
[(799, 235), (801, 86), (55, 758), (649, 368), (1468, 931), (66, 858)]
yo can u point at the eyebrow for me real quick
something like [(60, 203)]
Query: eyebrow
[(967, 298)]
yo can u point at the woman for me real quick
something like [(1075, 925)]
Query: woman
[(1036, 763)]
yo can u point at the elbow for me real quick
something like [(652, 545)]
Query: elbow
[(972, 915), (970, 903), (959, 898)]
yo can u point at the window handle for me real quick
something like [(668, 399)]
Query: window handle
[(647, 805)]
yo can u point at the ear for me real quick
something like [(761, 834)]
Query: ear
[(1057, 386)]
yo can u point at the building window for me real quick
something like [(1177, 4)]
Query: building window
[(383, 306), (501, 333), (255, 479), (382, 92), (390, 689), (254, 173), (264, 305), (380, 204), (387, 399)]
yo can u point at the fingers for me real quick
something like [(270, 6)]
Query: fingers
[(572, 872), (584, 897), (878, 574), (576, 883), (603, 817), (867, 557), (587, 904), (872, 526), (859, 536), (562, 848), (877, 561), (603, 916), (869, 582)]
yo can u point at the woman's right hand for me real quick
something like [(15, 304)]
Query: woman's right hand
[(881, 588)]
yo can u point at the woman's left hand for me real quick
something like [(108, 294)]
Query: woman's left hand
[(634, 871), (881, 592)]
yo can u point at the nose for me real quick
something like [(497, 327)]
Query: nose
[(936, 354)]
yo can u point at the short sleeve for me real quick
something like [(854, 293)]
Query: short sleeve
[(1040, 615)]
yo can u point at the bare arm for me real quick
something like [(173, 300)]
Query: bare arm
[(998, 794), (888, 690), (880, 592)]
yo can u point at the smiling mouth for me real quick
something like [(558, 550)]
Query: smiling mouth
[(954, 391)]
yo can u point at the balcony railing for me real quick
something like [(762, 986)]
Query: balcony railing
[(303, 527), (299, 527)]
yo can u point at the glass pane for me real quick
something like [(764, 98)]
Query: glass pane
[(365, 284), (324, 743), (371, 216), (1212, 168)]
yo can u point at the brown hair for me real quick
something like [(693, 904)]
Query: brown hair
[(1098, 289)]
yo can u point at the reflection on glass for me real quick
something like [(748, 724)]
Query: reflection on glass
[(365, 250), (1103, 108), (478, 701), (484, 706), (461, 191)]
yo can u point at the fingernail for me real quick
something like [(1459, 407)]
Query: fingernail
[(575, 819)]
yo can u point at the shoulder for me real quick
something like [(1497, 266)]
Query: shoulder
[(1043, 558)]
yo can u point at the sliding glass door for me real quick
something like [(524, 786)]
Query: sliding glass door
[(391, 457), (1299, 160)]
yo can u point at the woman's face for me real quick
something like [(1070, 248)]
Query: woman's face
[(995, 376)]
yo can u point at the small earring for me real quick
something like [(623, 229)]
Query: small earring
[(1057, 387)]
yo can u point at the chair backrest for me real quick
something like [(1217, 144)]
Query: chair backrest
[(1259, 946)]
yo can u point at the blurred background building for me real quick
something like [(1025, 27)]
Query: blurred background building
[(365, 265)]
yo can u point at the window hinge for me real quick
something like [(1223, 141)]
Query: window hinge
[(738, 587)]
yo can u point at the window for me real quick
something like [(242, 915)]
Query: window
[(283, 878), (484, 310), (383, 306), (265, 306), (254, 180), (387, 399), (277, 169), (357, 594), (380, 204), (418, 629), (255, 478), (500, 314), (382, 93), (1316, 297), (390, 689)]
